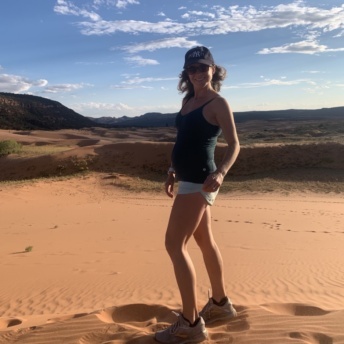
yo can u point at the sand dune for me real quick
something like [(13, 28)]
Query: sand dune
[(148, 151), (137, 323), (98, 271), (83, 261)]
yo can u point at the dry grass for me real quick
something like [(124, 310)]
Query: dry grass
[(34, 150), (130, 171), (320, 183)]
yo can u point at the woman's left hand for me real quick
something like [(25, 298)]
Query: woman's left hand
[(213, 182), (169, 184)]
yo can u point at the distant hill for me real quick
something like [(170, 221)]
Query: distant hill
[(150, 119), (156, 119), (291, 115), (27, 112)]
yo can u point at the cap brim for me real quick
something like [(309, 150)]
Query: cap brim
[(191, 62)]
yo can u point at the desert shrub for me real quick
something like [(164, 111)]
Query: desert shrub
[(28, 248), (9, 146)]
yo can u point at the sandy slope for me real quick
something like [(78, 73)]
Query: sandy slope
[(98, 271), (138, 152)]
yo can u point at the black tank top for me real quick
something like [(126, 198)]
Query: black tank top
[(193, 152)]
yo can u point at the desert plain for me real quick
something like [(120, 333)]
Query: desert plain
[(83, 217)]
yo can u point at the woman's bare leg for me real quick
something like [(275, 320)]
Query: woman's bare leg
[(186, 215), (211, 255)]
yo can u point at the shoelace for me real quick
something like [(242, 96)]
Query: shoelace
[(207, 307), (175, 326)]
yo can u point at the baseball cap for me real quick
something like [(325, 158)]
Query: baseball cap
[(199, 55)]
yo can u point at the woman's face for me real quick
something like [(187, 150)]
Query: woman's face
[(200, 74)]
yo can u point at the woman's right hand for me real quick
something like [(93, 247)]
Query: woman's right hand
[(169, 184)]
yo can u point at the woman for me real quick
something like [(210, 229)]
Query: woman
[(203, 116)]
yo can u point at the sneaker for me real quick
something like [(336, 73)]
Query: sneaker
[(182, 333), (212, 312)]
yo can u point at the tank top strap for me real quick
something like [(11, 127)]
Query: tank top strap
[(209, 101), (201, 107)]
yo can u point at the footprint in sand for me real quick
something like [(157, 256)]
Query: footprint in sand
[(9, 323), (275, 226), (312, 337), (136, 313), (65, 318), (237, 324), (294, 309), (236, 221)]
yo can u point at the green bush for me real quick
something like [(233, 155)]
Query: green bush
[(9, 147)]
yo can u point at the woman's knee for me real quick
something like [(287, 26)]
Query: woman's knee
[(173, 246), (198, 238), (201, 238)]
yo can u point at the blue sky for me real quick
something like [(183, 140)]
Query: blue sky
[(123, 57)]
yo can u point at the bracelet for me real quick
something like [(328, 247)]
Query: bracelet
[(171, 170)]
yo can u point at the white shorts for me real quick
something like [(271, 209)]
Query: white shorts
[(188, 188)]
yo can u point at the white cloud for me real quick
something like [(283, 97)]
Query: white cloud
[(17, 84), (121, 4), (124, 3), (303, 47), (194, 14), (318, 88), (221, 20), (40, 83), (68, 8), (312, 71), (140, 61), (340, 34), (95, 63), (62, 88), (104, 27), (104, 106), (137, 80), (272, 82), (95, 109), (178, 42), (130, 87)]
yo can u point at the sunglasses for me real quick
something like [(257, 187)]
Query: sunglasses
[(202, 68)]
